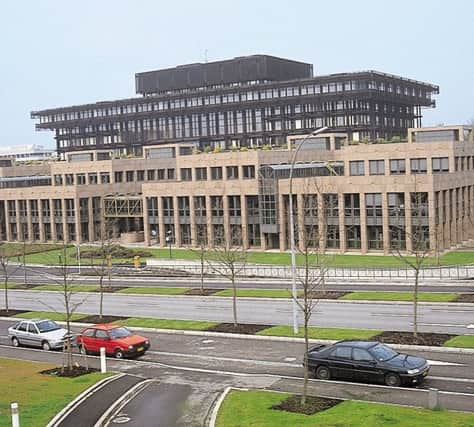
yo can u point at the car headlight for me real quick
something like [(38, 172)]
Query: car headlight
[(413, 371), (130, 347)]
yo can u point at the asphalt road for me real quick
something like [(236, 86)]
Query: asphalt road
[(49, 275), (441, 318), (193, 369)]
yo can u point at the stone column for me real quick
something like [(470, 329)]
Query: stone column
[(40, 219), (146, 221), (177, 227), (342, 223), (64, 214), (282, 223), (210, 239), (225, 206), (192, 221), (52, 223), (19, 227), (243, 220), (161, 222), (77, 220), (363, 225), (91, 223), (408, 222), (385, 226), (7, 222), (29, 221), (432, 231)]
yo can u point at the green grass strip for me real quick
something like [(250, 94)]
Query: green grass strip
[(463, 341), (190, 325), (72, 288), (153, 290), (48, 315), (254, 409), (255, 293), (321, 333), (401, 296)]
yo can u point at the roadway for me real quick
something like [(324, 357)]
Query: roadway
[(202, 366), (441, 318)]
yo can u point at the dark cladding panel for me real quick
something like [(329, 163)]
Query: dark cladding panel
[(242, 69)]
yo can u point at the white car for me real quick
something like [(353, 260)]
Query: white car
[(43, 333)]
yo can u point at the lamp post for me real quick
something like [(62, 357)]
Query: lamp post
[(292, 229), (169, 238)]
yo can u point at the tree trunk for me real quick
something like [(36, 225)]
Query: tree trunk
[(415, 305), (306, 368), (202, 271), (6, 295), (234, 300), (101, 297)]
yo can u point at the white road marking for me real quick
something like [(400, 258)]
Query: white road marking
[(206, 348), (391, 314), (289, 359), (441, 363), (460, 380), (470, 326), (207, 341), (447, 325)]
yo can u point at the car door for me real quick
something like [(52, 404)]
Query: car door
[(340, 362), (365, 366), (88, 340), (102, 340), (34, 336), (21, 333)]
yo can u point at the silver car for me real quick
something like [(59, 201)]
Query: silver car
[(43, 333)]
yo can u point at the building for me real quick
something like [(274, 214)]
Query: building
[(26, 153), (250, 101), (367, 197)]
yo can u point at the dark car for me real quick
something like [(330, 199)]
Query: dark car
[(366, 361)]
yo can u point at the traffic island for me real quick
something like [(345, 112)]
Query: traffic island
[(407, 338)]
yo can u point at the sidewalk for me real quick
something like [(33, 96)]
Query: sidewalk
[(94, 406)]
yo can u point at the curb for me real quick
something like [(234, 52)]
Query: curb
[(218, 404), (122, 401), (58, 418), (453, 350)]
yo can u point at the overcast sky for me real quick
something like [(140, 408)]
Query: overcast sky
[(57, 53)]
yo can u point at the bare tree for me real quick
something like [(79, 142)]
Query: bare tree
[(228, 259), (6, 271), (416, 254), (201, 250)]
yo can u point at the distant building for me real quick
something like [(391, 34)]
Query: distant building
[(25, 153)]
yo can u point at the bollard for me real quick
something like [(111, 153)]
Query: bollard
[(433, 398), (103, 366), (15, 415)]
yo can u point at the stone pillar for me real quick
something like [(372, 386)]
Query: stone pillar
[(161, 222), (243, 220), (77, 220), (177, 227), (192, 221), (19, 227), (146, 221), (282, 223), (385, 226), (210, 236), (52, 223), (64, 214), (91, 223), (225, 206), (408, 223), (342, 223), (40, 219), (433, 232), (7, 222), (363, 225)]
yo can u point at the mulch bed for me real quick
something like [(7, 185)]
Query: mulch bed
[(197, 291), (465, 298), (328, 294), (241, 328), (424, 338), (76, 371), (312, 406), (97, 319), (108, 290), (11, 312)]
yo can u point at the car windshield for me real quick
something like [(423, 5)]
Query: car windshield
[(119, 333), (47, 326), (383, 353)]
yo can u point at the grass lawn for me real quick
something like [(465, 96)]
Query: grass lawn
[(256, 293), (401, 296), (463, 341), (48, 315), (73, 288), (321, 333), (253, 409), (190, 325), (40, 397), (153, 290)]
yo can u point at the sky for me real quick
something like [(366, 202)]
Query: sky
[(58, 53)]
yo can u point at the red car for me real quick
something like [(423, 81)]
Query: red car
[(117, 340)]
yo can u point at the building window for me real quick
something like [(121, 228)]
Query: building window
[(356, 167), (418, 165), (69, 179), (118, 176), (232, 172), (104, 178), (160, 174), (186, 174), (201, 174), (248, 171), (141, 175), (351, 205), (376, 167), (234, 206), (216, 173), (183, 206), (373, 205), (217, 207), (58, 180), (92, 178), (81, 179), (130, 175), (150, 174), (168, 210), (170, 173), (397, 167), (440, 164)]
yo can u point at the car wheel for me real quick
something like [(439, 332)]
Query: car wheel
[(118, 354), (15, 342), (392, 380), (323, 373), (45, 345)]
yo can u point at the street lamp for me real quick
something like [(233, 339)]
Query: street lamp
[(169, 238), (292, 229)]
